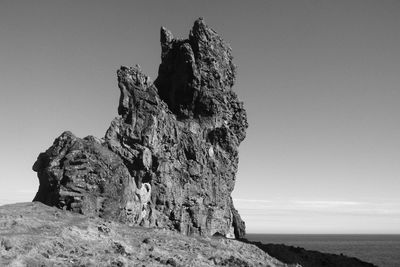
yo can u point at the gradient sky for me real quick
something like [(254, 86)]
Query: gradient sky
[(319, 80)]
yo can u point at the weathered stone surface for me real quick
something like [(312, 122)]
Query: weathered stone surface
[(169, 160), (84, 176)]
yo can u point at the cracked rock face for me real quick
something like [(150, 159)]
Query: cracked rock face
[(169, 160)]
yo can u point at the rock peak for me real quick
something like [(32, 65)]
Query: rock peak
[(194, 69), (200, 29), (170, 158)]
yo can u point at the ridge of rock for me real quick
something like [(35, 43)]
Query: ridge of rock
[(169, 160)]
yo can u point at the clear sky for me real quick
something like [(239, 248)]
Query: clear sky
[(320, 81)]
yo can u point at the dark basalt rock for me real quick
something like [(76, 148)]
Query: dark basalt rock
[(308, 258), (169, 160)]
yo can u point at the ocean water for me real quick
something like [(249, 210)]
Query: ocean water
[(381, 250)]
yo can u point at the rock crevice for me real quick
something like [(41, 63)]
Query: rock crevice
[(170, 158)]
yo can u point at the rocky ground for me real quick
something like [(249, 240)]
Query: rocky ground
[(309, 258), (33, 234)]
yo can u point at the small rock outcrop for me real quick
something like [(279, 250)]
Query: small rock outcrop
[(169, 159), (309, 258)]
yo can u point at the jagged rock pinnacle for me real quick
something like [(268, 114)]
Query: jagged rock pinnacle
[(170, 158)]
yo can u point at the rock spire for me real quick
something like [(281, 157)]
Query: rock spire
[(169, 159)]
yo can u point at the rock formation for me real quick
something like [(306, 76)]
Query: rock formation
[(169, 160), (309, 258)]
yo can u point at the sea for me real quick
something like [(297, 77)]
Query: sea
[(381, 250)]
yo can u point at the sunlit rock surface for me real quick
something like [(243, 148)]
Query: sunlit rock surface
[(170, 158)]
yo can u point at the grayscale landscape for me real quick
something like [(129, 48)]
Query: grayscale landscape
[(259, 133)]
